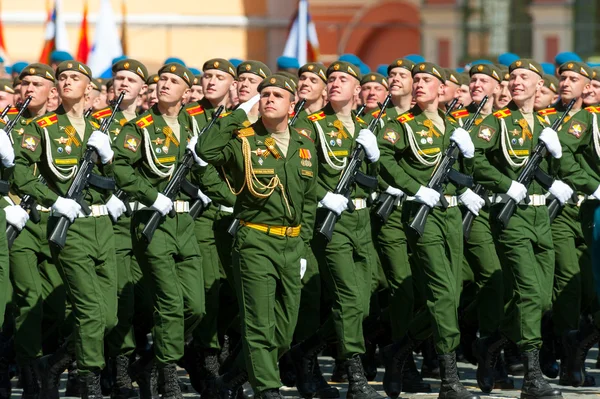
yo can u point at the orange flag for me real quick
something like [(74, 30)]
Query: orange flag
[(83, 49)]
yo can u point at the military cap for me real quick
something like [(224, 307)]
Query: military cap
[(277, 80), (346, 67), (416, 58), (255, 67), (287, 62), (175, 60), (7, 86), (37, 69), (195, 71), (109, 83), (117, 59), (452, 76), (566, 56), (507, 58), (314, 67), (351, 58), (96, 84), (504, 73), (577, 67), (179, 70), (131, 65), (528, 64), (73, 65), (235, 62), (430, 68), (486, 69), (220, 64), (548, 68), (401, 63), (596, 73), (290, 76), (197, 79), (464, 79), (152, 79), (374, 77), (551, 82), (381, 69), (16, 82), (60, 56), (364, 68), (19, 66)]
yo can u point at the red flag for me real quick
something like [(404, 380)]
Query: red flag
[(83, 48), (50, 43)]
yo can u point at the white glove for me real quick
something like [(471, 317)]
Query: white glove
[(335, 202), (247, 106), (7, 153), (462, 138), (115, 207), (550, 139), (66, 207), (16, 216), (427, 196), (192, 147), (517, 191), (561, 191), (204, 198), (596, 194), (302, 267), (367, 139), (396, 192), (101, 143), (163, 204), (472, 201)]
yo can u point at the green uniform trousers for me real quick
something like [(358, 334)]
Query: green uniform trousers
[(38, 291), (228, 306), (346, 270), (590, 226), (266, 270), (4, 268), (309, 315), (526, 254), (88, 269), (439, 253), (173, 265)]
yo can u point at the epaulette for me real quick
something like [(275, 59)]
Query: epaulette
[(406, 117), (103, 113), (593, 109), (46, 121), (375, 113), (292, 114), (224, 114), (193, 111), (547, 111), (13, 111), (317, 116), (145, 121), (461, 113), (245, 132), (304, 132), (503, 113), (359, 120), (94, 125)]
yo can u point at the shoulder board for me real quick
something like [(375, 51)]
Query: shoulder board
[(193, 111), (292, 114), (547, 111), (94, 125), (317, 116), (304, 133), (593, 109), (461, 113), (375, 114), (406, 117), (359, 120), (46, 121), (103, 113), (503, 113), (224, 114), (13, 111), (245, 132), (145, 121)]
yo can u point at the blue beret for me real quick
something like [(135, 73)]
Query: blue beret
[(382, 69), (482, 61), (364, 68), (235, 62), (175, 60), (460, 70), (507, 58), (60, 56), (593, 64), (351, 58), (287, 62), (8, 69), (549, 68), (19, 66), (114, 60), (416, 58), (195, 71), (566, 56)]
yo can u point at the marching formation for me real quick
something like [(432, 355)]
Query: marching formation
[(237, 223)]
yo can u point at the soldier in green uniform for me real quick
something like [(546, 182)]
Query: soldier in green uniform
[(312, 88), (274, 174), (151, 94), (411, 149), (7, 94), (502, 99), (249, 75), (503, 143), (464, 93), (451, 86), (197, 94), (147, 152), (591, 96), (548, 94), (53, 144), (373, 90)]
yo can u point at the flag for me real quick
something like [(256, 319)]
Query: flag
[(107, 44), (124, 27), (302, 42), (56, 32), (83, 49), (2, 46)]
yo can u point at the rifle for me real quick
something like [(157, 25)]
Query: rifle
[(531, 170), (82, 180), (467, 221), (28, 204), (361, 109), (88, 112), (445, 172), (451, 106), (349, 176), (177, 183), (297, 110), (5, 112)]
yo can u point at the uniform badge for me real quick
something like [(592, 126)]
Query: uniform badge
[(486, 133), (68, 149), (30, 142), (576, 128), (131, 143), (305, 157), (391, 136)]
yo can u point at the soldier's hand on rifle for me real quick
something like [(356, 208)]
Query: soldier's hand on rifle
[(66, 207), (192, 147), (16, 216), (335, 202), (163, 204), (247, 106), (427, 196), (7, 153), (472, 201), (550, 139), (101, 143), (204, 198), (396, 192), (561, 191), (115, 207), (462, 138), (517, 191), (367, 139)]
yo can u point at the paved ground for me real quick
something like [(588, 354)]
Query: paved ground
[(467, 373)]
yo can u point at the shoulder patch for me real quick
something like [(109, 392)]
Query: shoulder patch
[(304, 132), (461, 113), (576, 128), (245, 132), (224, 114), (193, 111), (391, 135), (131, 143), (406, 117), (13, 111), (46, 121), (593, 109), (547, 111), (103, 113), (145, 121), (30, 142), (486, 133), (317, 116), (503, 113)]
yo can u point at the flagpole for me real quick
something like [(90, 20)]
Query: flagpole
[(302, 30)]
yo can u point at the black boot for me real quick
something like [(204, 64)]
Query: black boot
[(324, 390), (202, 366), (5, 384), (358, 386), (412, 382), (394, 356), (431, 365), (73, 384), (487, 350), (501, 378), (576, 345), (451, 387), (270, 394), (512, 359), (29, 381), (338, 374), (534, 384), (167, 375), (468, 334), (229, 384), (548, 352), (90, 384), (304, 356), (106, 378), (287, 372), (122, 386), (147, 381), (50, 369)]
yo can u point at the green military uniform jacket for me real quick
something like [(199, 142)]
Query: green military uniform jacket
[(464, 114), (117, 124), (50, 146)]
